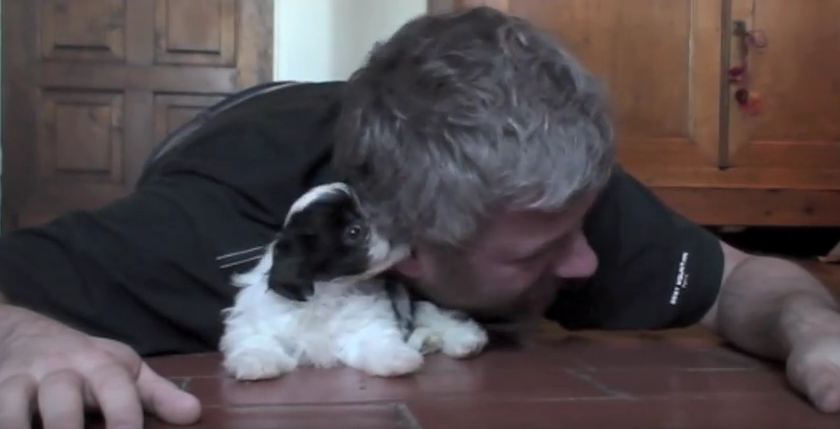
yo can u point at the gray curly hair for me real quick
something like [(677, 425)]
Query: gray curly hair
[(457, 116)]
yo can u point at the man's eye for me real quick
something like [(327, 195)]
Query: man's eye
[(527, 259)]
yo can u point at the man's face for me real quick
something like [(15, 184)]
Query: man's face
[(513, 268)]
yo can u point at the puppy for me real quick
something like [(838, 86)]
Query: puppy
[(317, 298)]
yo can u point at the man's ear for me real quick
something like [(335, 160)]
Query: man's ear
[(289, 274)]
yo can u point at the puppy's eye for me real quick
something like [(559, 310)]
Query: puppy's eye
[(354, 233)]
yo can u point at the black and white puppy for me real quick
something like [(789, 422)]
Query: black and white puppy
[(317, 298)]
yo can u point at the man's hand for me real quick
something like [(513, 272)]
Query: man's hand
[(813, 368), (811, 328), (60, 372)]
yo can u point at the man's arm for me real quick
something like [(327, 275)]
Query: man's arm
[(91, 272), (152, 270), (140, 271), (775, 309)]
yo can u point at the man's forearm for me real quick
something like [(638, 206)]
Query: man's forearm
[(806, 317), (769, 304)]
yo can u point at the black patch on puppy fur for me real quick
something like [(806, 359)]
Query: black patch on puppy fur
[(325, 240), (402, 302)]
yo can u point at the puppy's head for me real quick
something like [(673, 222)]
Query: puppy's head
[(327, 237)]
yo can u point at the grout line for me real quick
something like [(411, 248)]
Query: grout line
[(407, 416), (601, 386)]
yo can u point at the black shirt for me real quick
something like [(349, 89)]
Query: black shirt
[(153, 268)]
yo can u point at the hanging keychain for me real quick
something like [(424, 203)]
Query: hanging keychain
[(750, 101)]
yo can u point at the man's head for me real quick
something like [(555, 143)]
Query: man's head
[(470, 132)]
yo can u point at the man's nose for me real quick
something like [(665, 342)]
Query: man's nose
[(579, 261)]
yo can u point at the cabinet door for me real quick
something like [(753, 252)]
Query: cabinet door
[(661, 61), (94, 85), (794, 141)]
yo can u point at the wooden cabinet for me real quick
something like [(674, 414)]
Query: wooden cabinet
[(681, 129), (90, 88)]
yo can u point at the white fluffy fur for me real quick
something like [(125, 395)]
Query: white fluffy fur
[(346, 321), (352, 324)]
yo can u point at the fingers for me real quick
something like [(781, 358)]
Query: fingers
[(16, 394), (116, 396), (824, 392), (817, 375), (157, 394), (165, 400), (60, 400), (122, 353)]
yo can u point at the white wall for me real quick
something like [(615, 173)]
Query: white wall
[(319, 40)]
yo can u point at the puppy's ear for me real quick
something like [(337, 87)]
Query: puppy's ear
[(288, 275)]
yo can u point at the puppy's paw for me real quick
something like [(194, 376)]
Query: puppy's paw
[(388, 360), (259, 363), (463, 339), (395, 361), (425, 341)]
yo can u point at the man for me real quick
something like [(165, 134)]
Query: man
[(472, 136)]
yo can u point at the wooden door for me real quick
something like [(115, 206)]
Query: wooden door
[(780, 164), (91, 86), (667, 109), (793, 142), (680, 130)]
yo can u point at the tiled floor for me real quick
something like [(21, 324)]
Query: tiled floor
[(679, 379), (682, 379), (641, 380)]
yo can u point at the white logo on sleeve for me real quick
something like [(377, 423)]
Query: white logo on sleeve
[(681, 282)]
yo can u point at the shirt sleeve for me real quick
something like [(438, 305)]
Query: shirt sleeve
[(141, 270), (657, 270), (153, 269)]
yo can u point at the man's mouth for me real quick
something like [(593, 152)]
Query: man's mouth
[(529, 305), (540, 296)]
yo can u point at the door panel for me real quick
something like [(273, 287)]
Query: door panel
[(794, 142), (667, 109), (91, 87)]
